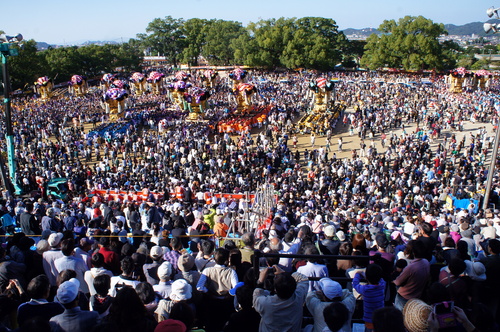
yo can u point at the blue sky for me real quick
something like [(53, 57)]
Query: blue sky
[(69, 22)]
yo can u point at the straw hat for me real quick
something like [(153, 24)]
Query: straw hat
[(415, 313)]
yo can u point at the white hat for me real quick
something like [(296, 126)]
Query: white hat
[(330, 288), (181, 290), (341, 235), (54, 239), (475, 270), (165, 270), (156, 252), (329, 231), (68, 290), (273, 234)]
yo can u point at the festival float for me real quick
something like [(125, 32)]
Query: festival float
[(209, 78), (237, 75), (177, 90), (115, 105), (138, 81), (243, 93), (482, 79), (456, 80), (43, 87), (196, 102), (155, 80), (120, 84), (245, 115), (77, 86), (106, 81), (323, 108)]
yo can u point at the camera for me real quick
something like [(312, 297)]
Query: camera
[(444, 314)]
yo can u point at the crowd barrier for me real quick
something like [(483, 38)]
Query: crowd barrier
[(257, 255)]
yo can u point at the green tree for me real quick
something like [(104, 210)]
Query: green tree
[(62, 62), (246, 50), (268, 40), (25, 68), (410, 43), (315, 43), (218, 38), (128, 56), (352, 52), (95, 59), (164, 37), (194, 31)]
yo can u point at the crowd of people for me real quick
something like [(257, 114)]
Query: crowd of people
[(197, 260)]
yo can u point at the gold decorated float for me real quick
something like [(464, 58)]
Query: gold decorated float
[(196, 102), (209, 78), (155, 82), (323, 109), (43, 87), (77, 86), (243, 93), (138, 81), (115, 104)]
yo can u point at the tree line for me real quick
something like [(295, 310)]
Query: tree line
[(411, 43)]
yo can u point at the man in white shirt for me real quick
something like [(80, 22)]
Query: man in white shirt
[(69, 262)]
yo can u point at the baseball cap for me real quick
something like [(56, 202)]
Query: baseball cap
[(68, 291), (156, 252), (55, 239), (329, 231), (330, 288)]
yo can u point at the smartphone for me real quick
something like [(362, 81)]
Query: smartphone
[(444, 314), (443, 308)]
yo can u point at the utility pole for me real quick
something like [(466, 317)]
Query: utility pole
[(5, 51)]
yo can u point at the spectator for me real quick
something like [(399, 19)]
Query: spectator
[(96, 270), (186, 264), (73, 319), (414, 278), (128, 314), (39, 290), (100, 301), (373, 293), (49, 257), (330, 292), (336, 316), (492, 287), (279, 311), (204, 257), (151, 269), (181, 291), (313, 269), (111, 258), (164, 287), (69, 262), (246, 319), (388, 319), (216, 282), (124, 279)]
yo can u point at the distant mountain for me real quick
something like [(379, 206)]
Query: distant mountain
[(468, 29), (98, 42), (42, 46), (361, 32)]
